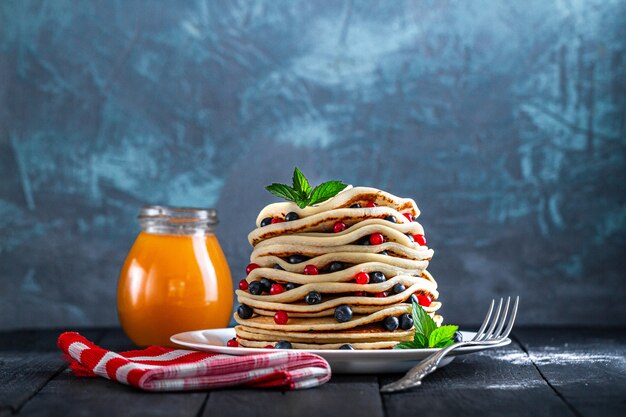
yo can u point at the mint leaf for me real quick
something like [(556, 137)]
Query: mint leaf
[(301, 184), (420, 341), (283, 191), (427, 334), (326, 190), (302, 203), (422, 321), (441, 335), (443, 344), (302, 193)]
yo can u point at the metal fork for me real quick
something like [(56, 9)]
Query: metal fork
[(491, 332)]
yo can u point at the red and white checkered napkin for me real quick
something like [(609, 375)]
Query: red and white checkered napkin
[(164, 369)]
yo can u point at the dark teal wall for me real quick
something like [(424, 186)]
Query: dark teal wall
[(504, 120)]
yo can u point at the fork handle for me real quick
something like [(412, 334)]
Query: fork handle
[(414, 377)]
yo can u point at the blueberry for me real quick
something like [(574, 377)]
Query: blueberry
[(292, 215), (343, 313), (266, 283), (347, 346), (280, 268), (406, 322), (365, 241), (391, 323), (410, 236), (266, 221), (335, 266), (244, 311), (255, 288), (296, 259), (391, 219), (398, 288), (290, 286), (283, 344), (458, 337), (313, 297), (356, 205), (412, 299), (377, 277), (384, 253)]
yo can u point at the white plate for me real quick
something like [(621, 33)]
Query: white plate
[(341, 361)]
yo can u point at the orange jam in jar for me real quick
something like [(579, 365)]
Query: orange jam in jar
[(175, 278)]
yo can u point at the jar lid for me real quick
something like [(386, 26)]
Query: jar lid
[(177, 220)]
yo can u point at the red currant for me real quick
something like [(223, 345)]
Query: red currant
[(269, 347), (276, 289), (371, 204), (339, 227), (424, 300), (277, 220), (281, 317), (359, 294), (362, 278), (251, 267), (376, 238), (408, 216), (311, 270), (243, 285), (380, 294), (232, 343), (420, 239)]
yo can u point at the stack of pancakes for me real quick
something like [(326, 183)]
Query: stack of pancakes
[(283, 249)]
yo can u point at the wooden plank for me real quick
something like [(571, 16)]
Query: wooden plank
[(33, 340), (501, 381), (67, 394), (564, 371), (587, 367), (22, 375), (343, 395), (28, 360)]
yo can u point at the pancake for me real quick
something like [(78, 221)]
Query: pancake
[(411, 283), (289, 301), (358, 309), (374, 264), (324, 346), (323, 323), (394, 232), (372, 334), (346, 198), (351, 254), (344, 275)]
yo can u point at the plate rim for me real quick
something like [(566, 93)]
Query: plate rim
[(338, 354)]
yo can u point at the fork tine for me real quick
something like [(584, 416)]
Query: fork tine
[(512, 319), (494, 323), (485, 321), (492, 337), (505, 312)]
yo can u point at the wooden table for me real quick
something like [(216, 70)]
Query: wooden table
[(545, 371)]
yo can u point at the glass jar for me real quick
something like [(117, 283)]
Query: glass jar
[(175, 277)]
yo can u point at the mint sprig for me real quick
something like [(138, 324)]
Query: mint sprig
[(427, 334), (302, 193)]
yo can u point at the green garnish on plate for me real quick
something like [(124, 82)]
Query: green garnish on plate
[(427, 334), (302, 193)]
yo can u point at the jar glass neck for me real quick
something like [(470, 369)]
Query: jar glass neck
[(177, 220)]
